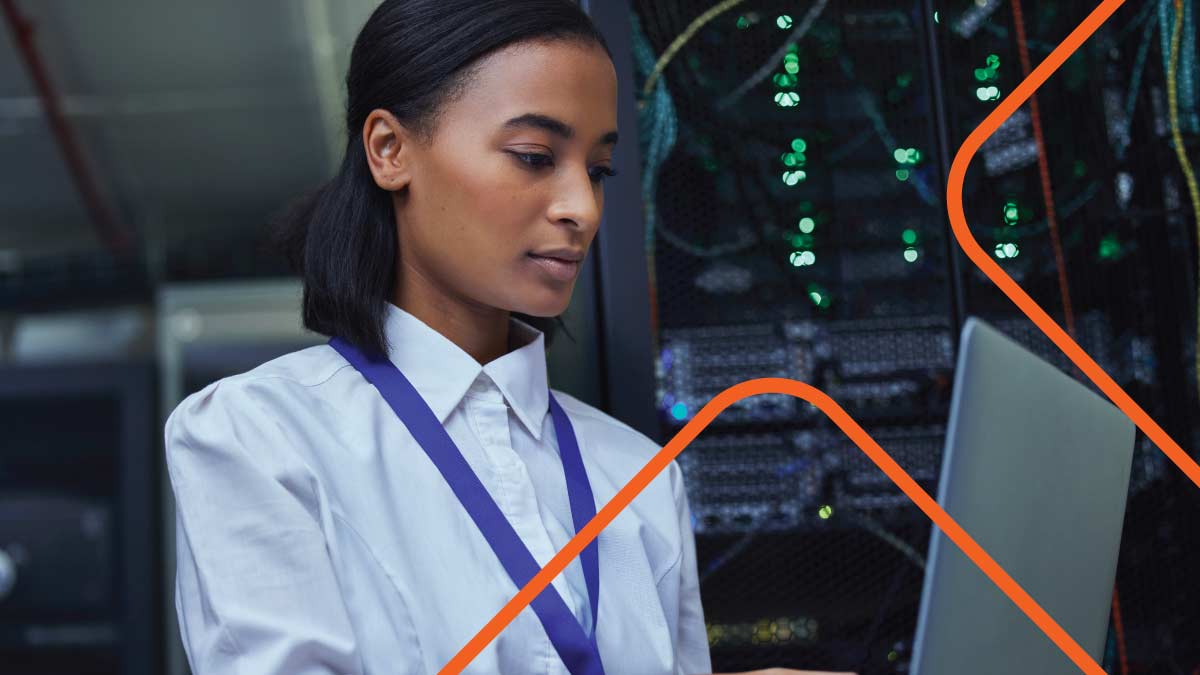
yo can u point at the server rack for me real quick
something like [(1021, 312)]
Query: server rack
[(786, 199), (78, 537)]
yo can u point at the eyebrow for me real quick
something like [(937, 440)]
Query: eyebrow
[(554, 126)]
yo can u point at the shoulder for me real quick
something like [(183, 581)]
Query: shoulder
[(306, 367), (597, 419), (249, 406), (247, 439), (302, 368)]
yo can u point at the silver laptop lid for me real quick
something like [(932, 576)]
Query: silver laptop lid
[(1036, 469)]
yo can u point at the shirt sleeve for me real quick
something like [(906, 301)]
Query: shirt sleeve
[(692, 639), (255, 587)]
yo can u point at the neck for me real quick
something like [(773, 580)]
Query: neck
[(478, 330)]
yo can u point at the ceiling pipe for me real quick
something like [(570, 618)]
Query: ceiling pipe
[(115, 236)]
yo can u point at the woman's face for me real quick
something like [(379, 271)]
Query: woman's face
[(515, 168)]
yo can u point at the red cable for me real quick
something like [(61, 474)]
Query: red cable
[(118, 238), (1044, 173), (1120, 630)]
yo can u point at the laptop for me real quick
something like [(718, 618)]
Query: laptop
[(1036, 469)]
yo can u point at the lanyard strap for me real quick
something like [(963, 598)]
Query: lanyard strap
[(583, 504), (578, 651)]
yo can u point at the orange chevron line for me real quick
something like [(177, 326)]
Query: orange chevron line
[(949, 526), (958, 223), (704, 417)]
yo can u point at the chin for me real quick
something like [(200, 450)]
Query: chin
[(545, 307)]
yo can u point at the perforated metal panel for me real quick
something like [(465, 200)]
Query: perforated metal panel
[(793, 163)]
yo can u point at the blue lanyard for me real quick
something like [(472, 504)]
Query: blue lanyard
[(577, 650)]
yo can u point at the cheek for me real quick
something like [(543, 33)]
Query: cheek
[(504, 219), (490, 214), (488, 246)]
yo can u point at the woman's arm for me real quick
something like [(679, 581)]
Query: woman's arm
[(255, 587), (691, 643)]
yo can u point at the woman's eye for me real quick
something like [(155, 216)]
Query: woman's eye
[(538, 160), (602, 172), (535, 159)]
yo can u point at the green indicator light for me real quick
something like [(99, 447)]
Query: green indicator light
[(911, 254), (793, 177), (799, 145), (987, 93), (902, 174), (818, 295), (787, 99), (784, 21), (825, 512), (909, 236), (1110, 248), (802, 258), (1006, 251), (1010, 213), (807, 225), (743, 23), (791, 67), (906, 155)]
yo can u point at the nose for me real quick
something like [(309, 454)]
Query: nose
[(577, 200)]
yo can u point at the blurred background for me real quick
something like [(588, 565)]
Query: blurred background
[(781, 213)]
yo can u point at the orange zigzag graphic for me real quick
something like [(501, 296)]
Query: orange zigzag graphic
[(775, 385)]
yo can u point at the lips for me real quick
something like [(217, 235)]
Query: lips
[(556, 268)]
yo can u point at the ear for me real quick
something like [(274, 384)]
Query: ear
[(386, 143)]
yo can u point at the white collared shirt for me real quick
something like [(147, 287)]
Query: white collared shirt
[(315, 536)]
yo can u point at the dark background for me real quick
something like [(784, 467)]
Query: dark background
[(143, 145)]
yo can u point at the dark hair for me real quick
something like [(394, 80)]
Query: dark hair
[(412, 57)]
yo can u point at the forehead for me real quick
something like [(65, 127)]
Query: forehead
[(571, 81)]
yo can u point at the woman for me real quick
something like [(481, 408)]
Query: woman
[(367, 505)]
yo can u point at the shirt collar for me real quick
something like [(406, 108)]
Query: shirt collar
[(442, 372)]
